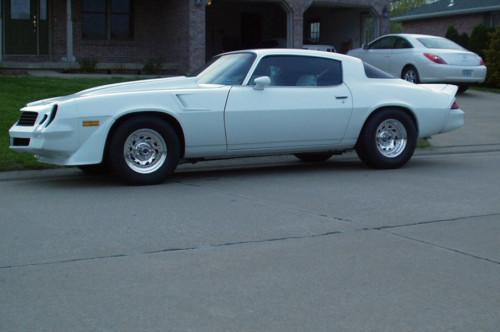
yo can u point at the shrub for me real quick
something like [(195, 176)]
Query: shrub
[(492, 54), (152, 67), (463, 40), (452, 34), (88, 65), (480, 39)]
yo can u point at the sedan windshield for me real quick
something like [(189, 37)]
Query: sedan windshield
[(230, 69), (441, 43)]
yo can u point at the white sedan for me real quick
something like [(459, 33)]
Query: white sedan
[(424, 59), (247, 103)]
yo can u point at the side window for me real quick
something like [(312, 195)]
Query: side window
[(402, 43), (289, 70), (383, 43)]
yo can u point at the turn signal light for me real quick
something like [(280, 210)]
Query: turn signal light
[(435, 58), (455, 105)]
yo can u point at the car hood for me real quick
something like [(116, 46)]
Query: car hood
[(178, 82)]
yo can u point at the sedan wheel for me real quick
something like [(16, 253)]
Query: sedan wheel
[(410, 74), (387, 140), (144, 150)]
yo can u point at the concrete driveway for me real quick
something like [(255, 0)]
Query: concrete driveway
[(263, 244)]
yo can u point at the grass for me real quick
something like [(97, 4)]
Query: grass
[(15, 92), (423, 143)]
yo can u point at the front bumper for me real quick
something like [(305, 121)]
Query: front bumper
[(53, 142), (452, 74)]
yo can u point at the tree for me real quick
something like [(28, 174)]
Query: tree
[(493, 59), (400, 7), (480, 39)]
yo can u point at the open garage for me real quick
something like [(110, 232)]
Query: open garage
[(234, 25)]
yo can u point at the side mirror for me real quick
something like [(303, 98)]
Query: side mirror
[(261, 82)]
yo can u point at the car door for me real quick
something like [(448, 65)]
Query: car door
[(305, 105), (379, 52), (401, 55)]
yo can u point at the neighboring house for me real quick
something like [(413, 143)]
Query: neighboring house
[(464, 15), (182, 34)]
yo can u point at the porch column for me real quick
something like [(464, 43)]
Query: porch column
[(69, 32), (1, 31), (197, 33)]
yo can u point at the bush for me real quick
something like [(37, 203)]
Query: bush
[(152, 67), (88, 65), (480, 39), (492, 54), (452, 34), (463, 40)]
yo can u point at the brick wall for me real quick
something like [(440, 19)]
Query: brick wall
[(439, 26)]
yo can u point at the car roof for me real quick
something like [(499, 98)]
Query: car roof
[(296, 51), (411, 35)]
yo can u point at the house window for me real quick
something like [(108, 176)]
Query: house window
[(314, 29), (107, 19)]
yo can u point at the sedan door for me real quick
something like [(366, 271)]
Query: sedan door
[(379, 53), (306, 105), (402, 54)]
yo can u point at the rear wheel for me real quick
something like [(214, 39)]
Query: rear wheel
[(387, 140), (410, 74), (144, 150), (314, 157)]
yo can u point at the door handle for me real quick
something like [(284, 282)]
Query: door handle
[(341, 97)]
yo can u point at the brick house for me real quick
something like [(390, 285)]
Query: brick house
[(464, 15), (181, 34)]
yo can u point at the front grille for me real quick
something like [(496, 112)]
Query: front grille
[(16, 141), (27, 119)]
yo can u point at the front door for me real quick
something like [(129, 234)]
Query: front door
[(26, 27), (306, 106)]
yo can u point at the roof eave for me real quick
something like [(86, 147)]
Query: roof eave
[(446, 13)]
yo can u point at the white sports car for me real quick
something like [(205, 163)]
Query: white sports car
[(424, 59), (247, 103)]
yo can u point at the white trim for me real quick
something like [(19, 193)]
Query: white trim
[(445, 13), (69, 33)]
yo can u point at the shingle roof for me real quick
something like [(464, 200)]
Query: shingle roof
[(449, 8)]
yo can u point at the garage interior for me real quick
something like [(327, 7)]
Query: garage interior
[(343, 27), (240, 25)]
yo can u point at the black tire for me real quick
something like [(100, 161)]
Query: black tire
[(97, 169), (462, 88), (410, 74), (367, 147), (314, 157), (116, 158)]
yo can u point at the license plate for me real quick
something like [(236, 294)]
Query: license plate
[(467, 73)]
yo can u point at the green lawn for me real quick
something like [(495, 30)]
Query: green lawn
[(15, 92)]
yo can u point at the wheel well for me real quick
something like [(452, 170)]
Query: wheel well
[(402, 109), (408, 65), (166, 117)]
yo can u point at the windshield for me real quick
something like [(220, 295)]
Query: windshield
[(230, 69), (437, 42)]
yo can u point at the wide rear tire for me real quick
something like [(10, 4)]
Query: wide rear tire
[(388, 139), (143, 150)]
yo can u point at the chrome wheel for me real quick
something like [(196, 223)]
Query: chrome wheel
[(410, 75), (145, 151), (391, 138)]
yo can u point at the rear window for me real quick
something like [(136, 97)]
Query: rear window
[(440, 43), (374, 72)]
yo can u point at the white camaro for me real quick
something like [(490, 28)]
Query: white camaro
[(424, 59), (247, 103)]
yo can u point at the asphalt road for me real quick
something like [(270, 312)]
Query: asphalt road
[(262, 244)]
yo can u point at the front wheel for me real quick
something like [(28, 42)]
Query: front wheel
[(144, 150), (387, 140), (410, 74)]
